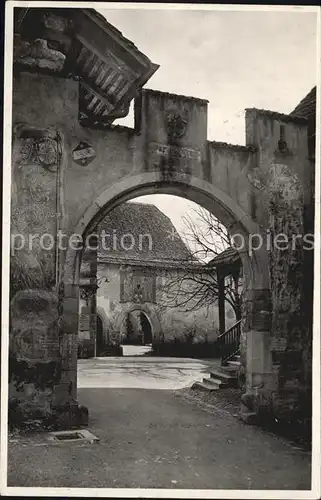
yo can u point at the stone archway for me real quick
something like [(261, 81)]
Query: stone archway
[(104, 319), (194, 189), (68, 171), (103, 327), (255, 343)]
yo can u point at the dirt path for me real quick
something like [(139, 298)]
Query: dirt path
[(157, 439)]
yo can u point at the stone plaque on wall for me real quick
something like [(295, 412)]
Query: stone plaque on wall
[(137, 286), (34, 333), (182, 158), (34, 215), (84, 322), (278, 347), (278, 344), (35, 345)]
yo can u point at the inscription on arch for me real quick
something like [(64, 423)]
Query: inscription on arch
[(183, 158)]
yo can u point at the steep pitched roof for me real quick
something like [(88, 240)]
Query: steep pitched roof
[(307, 109), (228, 256), (153, 233), (307, 106)]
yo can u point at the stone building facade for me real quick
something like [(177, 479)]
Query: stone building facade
[(73, 74)]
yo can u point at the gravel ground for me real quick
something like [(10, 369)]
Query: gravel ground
[(227, 402)]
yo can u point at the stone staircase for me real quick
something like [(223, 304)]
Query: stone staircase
[(226, 375), (222, 377)]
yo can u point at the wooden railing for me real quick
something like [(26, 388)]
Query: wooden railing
[(229, 342)]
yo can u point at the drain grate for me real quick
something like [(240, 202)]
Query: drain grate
[(71, 436)]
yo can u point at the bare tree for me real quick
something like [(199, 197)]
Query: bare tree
[(196, 286)]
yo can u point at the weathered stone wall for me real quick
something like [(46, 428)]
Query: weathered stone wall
[(34, 331), (283, 191)]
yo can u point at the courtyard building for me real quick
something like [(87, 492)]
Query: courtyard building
[(147, 287)]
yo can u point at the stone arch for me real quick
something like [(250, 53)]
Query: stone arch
[(105, 321), (192, 188), (255, 343)]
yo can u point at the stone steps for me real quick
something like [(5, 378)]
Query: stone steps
[(206, 385), (223, 378), (234, 364), (220, 378)]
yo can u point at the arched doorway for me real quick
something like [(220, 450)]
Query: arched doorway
[(147, 329), (216, 201), (132, 334), (256, 338), (99, 336), (136, 328)]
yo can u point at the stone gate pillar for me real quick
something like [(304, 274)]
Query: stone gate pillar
[(276, 342), (66, 410), (88, 297), (34, 357), (256, 352)]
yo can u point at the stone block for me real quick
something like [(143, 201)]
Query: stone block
[(69, 322), (69, 416), (261, 320), (71, 291), (61, 394), (248, 417), (258, 355), (37, 54), (69, 346), (31, 404), (86, 349)]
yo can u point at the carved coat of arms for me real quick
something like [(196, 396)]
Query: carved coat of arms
[(83, 154), (42, 151), (176, 124)]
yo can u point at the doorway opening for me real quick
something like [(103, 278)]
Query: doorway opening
[(147, 329), (153, 277), (137, 334), (99, 336), (138, 329)]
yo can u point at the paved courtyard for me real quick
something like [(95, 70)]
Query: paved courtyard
[(152, 437), (140, 372)]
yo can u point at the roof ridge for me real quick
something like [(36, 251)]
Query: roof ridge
[(140, 218), (161, 93), (277, 115), (308, 101), (141, 203), (101, 18)]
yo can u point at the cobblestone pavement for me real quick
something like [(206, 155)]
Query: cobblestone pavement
[(159, 439)]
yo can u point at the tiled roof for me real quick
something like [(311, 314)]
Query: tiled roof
[(307, 106), (228, 256), (137, 220), (307, 109)]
